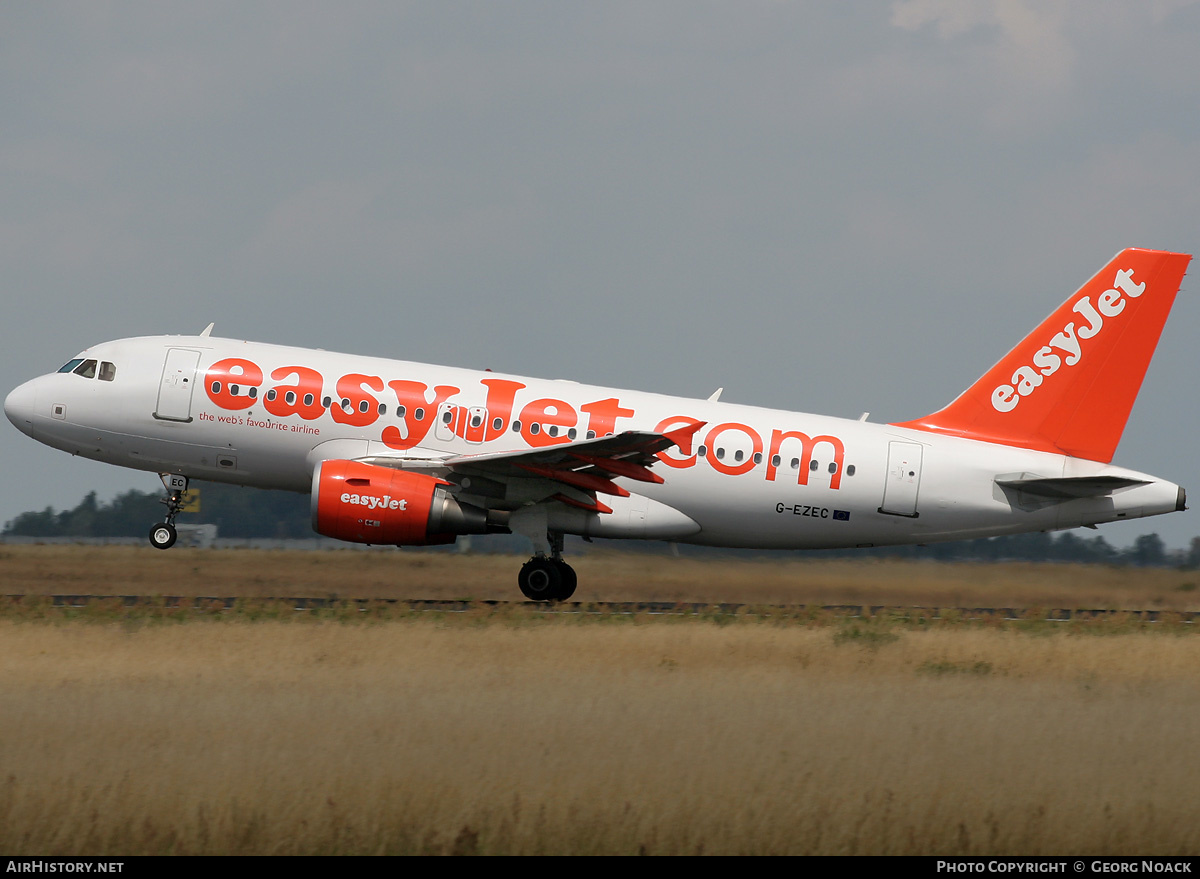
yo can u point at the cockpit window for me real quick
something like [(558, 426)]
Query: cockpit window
[(87, 368)]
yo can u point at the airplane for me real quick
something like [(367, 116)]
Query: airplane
[(401, 453)]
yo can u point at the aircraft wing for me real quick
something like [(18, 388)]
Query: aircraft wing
[(578, 470)]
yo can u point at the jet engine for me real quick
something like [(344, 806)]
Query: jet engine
[(364, 503)]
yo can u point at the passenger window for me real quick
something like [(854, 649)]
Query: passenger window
[(108, 371), (70, 365), (87, 369)]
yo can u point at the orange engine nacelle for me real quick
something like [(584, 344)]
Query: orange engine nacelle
[(363, 503)]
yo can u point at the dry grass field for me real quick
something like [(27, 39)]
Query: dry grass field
[(517, 732)]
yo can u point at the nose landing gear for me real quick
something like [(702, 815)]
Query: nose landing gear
[(548, 579), (163, 535)]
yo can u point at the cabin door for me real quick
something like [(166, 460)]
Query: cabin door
[(903, 479), (175, 389)]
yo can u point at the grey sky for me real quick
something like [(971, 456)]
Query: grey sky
[(830, 207)]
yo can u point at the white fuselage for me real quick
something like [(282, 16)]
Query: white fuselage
[(751, 477)]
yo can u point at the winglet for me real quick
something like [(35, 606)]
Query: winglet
[(1069, 386), (681, 435)]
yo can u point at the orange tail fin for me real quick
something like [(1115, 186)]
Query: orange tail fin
[(1069, 386)]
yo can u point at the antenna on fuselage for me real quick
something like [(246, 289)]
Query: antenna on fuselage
[(716, 395), (208, 329)]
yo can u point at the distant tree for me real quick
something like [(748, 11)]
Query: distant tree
[(81, 521), (43, 524), (129, 514), (1101, 552), (1148, 551), (254, 513), (1035, 547), (1193, 553), (1070, 548)]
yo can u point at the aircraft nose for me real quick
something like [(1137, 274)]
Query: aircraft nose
[(20, 405)]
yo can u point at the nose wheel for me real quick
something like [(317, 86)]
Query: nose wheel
[(163, 535)]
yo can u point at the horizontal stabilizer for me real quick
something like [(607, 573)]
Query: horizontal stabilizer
[(1068, 487)]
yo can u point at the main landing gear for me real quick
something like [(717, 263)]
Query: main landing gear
[(548, 579), (163, 535)]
